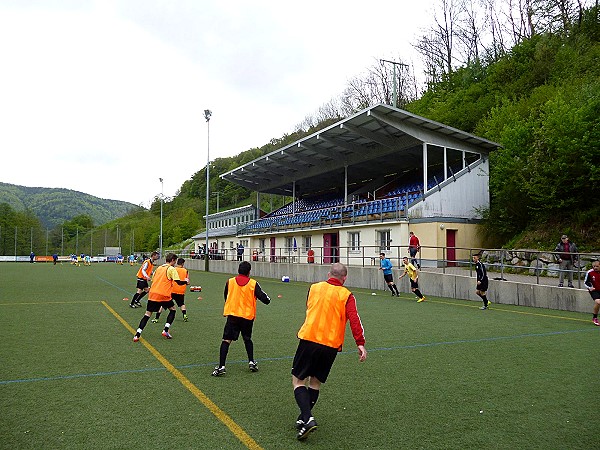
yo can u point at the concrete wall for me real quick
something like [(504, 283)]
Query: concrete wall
[(432, 284)]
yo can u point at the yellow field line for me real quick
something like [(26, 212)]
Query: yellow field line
[(217, 412)]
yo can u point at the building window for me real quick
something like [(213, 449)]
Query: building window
[(306, 243), (261, 246), (289, 244), (354, 241), (383, 240)]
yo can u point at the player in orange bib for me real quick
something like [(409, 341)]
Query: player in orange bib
[(144, 275), (160, 295), (328, 307), (178, 294), (240, 294)]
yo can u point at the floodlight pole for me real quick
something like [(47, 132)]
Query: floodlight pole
[(394, 63), (160, 238), (207, 114)]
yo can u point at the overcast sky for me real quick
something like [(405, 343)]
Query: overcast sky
[(106, 97)]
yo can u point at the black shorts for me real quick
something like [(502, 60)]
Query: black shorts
[(595, 295), (388, 277), (142, 284), (178, 298), (313, 360), (414, 284), (236, 325), (153, 306), (483, 286)]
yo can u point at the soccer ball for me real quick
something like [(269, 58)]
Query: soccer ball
[(285, 279)]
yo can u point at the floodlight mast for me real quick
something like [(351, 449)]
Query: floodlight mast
[(207, 114), (160, 244), (394, 63)]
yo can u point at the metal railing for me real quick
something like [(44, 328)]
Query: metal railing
[(535, 264)]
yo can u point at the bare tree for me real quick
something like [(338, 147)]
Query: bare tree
[(436, 46)]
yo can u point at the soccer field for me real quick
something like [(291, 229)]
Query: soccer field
[(439, 374)]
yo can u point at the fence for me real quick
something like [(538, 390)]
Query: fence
[(536, 264)]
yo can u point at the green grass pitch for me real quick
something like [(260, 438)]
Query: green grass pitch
[(439, 374)]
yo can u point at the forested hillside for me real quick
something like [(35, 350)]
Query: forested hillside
[(54, 206)]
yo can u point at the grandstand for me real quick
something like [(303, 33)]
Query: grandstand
[(367, 181)]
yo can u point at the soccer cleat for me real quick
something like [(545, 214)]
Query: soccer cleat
[(596, 322), (422, 299), (219, 371), (571, 285), (253, 366), (136, 338), (299, 423), (166, 334), (185, 318), (560, 285), (138, 304), (155, 320), (307, 428), (132, 305), (483, 307)]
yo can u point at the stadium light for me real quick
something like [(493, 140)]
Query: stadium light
[(207, 114), (160, 239), (394, 63)]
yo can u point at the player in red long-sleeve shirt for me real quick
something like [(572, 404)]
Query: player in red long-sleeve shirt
[(328, 307), (592, 282)]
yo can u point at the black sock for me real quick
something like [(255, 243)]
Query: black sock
[(249, 349), (142, 324), (134, 298), (391, 288), (223, 353), (183, 311), (170, 319), (595, 316), (302, 397), (418, 293), (141, 295), (314, 396), (396, 289), (485, 300), (157, 315)]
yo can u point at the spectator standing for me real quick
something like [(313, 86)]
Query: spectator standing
[(240, 252), (414, 246), (310, 256), (567, 256), (31, 257), (592, 282)]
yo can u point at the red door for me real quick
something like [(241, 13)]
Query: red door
[(451, 250), (272, 249), (330, 248), (327, 249)]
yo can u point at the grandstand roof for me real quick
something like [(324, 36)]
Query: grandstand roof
[(374, 143)]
